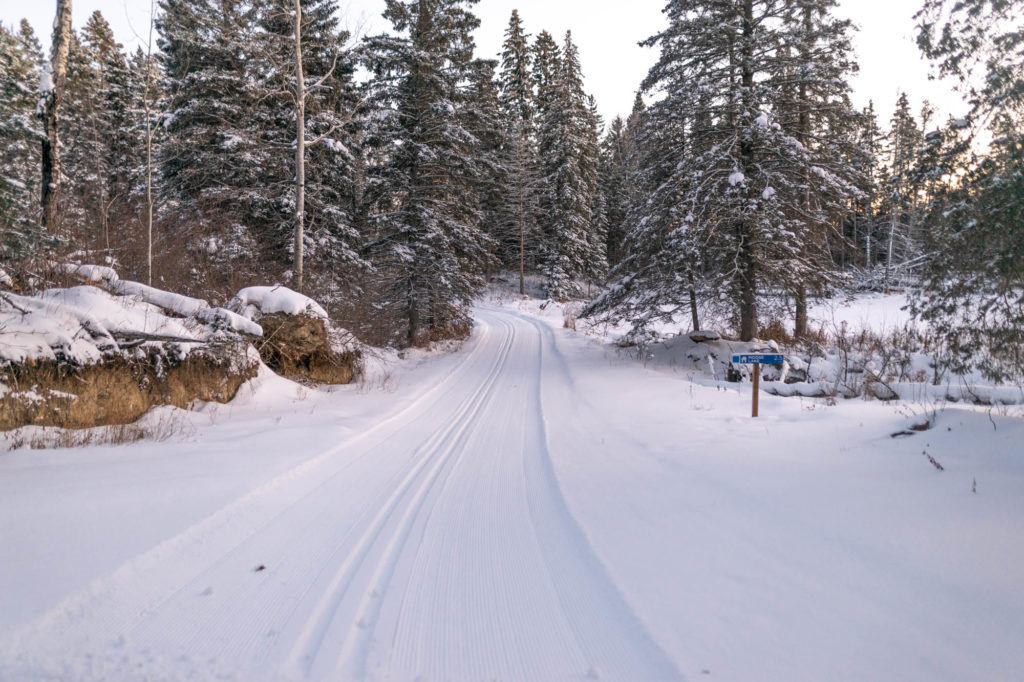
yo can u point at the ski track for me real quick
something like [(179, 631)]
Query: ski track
[(434, 546)]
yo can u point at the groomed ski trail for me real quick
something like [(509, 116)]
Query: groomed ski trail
[(434, 546)]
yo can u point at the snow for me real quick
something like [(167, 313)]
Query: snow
[(37, 329), (80, 324), (90, 273), (45, 79), (115, 313), (176, 303), (186, 306), (736, 178), (537, 505), (254, 301)]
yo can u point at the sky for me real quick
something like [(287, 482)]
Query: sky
[(607, 32)]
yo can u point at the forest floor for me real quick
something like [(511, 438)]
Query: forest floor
[(535, 506)]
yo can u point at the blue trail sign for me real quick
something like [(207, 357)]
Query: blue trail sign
[(758, 359)]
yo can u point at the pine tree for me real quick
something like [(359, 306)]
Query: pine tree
[(981, 43), (516, 228), (732, 213), (212, 160), (972, 277), (905, 139), (20, 134), (568, 158), (427, 249)]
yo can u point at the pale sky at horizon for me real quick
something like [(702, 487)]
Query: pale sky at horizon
[(613, 63)]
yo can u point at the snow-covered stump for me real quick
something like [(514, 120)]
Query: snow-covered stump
[(299, 341)]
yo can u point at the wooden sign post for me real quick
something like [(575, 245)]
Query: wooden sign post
[(757, 359)]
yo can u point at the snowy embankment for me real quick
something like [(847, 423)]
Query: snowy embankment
[(534, 506), (108, 350)]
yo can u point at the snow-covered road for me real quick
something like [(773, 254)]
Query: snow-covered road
[(435, 545), (525, 511)]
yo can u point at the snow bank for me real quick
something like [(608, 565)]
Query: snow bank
[(37, 329), (120, 314), (84, 324)]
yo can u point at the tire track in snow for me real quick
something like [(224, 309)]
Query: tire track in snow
[(619, 639), (231, 525), (430, 458), (507, 586), (444, 550)]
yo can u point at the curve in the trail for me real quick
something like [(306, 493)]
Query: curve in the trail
[(437, 546)]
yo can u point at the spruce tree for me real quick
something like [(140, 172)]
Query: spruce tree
[(482, 118), (904, 141), (330, 235), (568, 157), (427, 247), (618, 149), (812, 102), (862, 224), (97, 130), (973, 277), (212, 161), (516, 228), (733, 215), (20, 134)]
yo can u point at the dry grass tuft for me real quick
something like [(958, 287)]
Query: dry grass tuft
[(53, 438), (299, 346)]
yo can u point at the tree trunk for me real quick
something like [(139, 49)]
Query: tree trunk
[(51, 167), (804, 135), (888, 256), (300, 146), (747, 256), (800, 323), (148, 106), (693, 310)]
